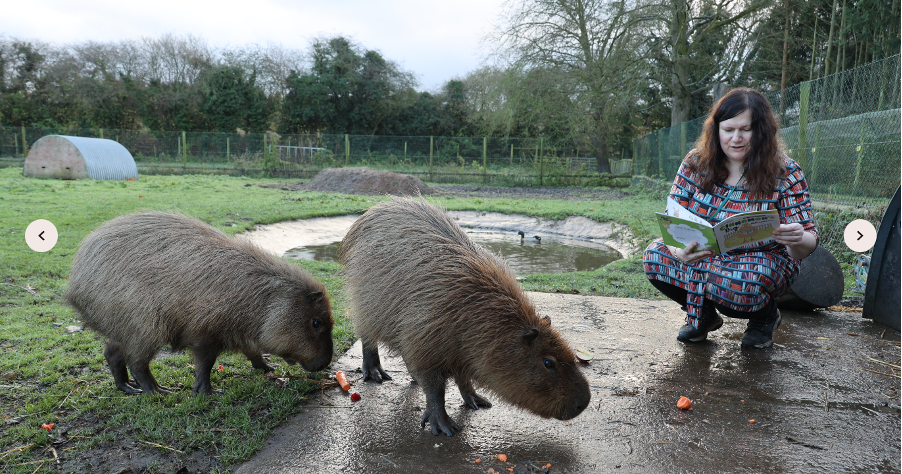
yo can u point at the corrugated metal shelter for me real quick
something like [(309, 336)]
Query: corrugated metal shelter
[(64, 157)]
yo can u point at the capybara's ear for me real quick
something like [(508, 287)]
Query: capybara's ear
[(314, 296), (546, 321), (530, 335)]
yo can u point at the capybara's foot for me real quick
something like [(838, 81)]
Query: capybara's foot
[(372, 366), (129, 387), (258, 362), (158, 390), (439, 421), (474, 401), (471, 398)]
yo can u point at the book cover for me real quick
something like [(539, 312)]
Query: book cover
[(680, 227)]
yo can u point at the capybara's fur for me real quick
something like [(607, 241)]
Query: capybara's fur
[(417, 284), (152, 278)]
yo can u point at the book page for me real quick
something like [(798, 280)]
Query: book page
[(679, 232), (746, 228), (676, 210)]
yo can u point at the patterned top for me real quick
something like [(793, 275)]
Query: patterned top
[(790, 198)]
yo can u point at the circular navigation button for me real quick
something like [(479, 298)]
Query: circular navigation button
[(860, 235), (41, 235)]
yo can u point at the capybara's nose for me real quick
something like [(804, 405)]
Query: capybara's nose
[(577, 404)]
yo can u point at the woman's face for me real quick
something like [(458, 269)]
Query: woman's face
[(736, 136)]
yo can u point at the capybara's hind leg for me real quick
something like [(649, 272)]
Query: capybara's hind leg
[(471, 398), (372, 366), (258, 362), (204, 360), (433, 385), (139, 365), (116, 360)]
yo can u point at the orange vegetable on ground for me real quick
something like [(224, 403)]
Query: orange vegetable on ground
[(342, 380), (502, 457), (684, 403)]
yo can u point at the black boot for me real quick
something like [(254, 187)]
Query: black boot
[(760, 332), (709, 321)]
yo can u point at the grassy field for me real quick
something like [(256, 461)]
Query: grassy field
[(48, 375)]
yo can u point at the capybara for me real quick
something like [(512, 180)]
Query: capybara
[(147, 279), (417, 284)]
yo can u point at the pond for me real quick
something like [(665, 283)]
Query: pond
[(552, 252)]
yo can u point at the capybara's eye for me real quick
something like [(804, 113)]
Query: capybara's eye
[(316, 324), (549, 363)]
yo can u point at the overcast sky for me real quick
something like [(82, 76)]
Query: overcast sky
[(436, 40)]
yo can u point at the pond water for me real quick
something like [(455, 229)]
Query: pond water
[(550, 254)]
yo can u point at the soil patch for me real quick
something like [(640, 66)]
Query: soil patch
[(364, 180)]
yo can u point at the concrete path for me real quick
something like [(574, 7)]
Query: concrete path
[(816, 398)]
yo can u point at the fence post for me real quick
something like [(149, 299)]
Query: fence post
[(859, 158), (661, 150), (347, 150), (405, 150), (430, 155), (101, 132), (541, 161), (804, 96), (682, 139), (512, 154), (228, 149), (184, 150), (485, 169), (24, 143), (265, 162)]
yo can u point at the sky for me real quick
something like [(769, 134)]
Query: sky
[(436, 40)]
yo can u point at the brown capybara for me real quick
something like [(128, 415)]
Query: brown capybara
[(147, 279), (417, 284)]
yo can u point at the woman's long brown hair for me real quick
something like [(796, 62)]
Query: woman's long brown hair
[(763, 164)]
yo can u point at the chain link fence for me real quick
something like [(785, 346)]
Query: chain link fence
[(843, 130), (483, 160)]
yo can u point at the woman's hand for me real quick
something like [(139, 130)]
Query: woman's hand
[(688, 255), (799, 244)]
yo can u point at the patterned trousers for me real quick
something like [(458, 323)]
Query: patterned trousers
[(742, 282)]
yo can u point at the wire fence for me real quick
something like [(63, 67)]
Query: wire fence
[(843, 130), (485, 160)]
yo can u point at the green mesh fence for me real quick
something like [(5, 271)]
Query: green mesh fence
[(843, 130), (485, 160)]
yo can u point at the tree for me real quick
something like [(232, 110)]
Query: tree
[(348, 90), (589, 54), (232, 100), (706, 42)]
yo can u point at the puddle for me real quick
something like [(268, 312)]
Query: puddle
[(573, 244), (551, 254)]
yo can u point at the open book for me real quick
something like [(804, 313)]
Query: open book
[(680, 227)]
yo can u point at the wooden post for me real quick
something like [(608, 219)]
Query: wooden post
[(859, 158), (682, 140), (485, 168), (512, 154), (347, 150), (431, 143), (184, 150), (405, 150), (265, 163), (16, 140), (24, 143), (101, 132), (541, 161), (802, 146), (228, 150)]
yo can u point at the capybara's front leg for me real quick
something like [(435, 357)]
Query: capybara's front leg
[(471, 398), (139, 365), (372, 366), (433, 385), (116, 360), (258, 362), (204, 360)]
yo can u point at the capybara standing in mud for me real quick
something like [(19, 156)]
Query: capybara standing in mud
[(452, 309), (144, 280)]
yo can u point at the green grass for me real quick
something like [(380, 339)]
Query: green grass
[(50, 376)]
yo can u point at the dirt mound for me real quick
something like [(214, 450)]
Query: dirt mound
[(364, 180)]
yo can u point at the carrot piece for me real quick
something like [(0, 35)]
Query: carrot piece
[(684, 403), (502, 457), (342, 380)]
